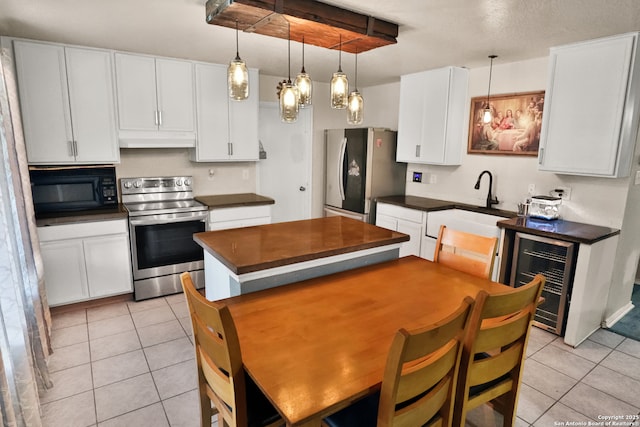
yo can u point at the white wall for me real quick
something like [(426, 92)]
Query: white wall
[(226, 178)]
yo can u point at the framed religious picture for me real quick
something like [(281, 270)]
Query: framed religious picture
[(512, 128)]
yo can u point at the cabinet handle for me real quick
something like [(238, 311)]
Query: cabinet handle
[(70, 147), (75, 148), (155, 120), (230, 148), (160, 117), (540, 155), (417, 151)]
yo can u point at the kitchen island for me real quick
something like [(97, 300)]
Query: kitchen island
[(243, 260)]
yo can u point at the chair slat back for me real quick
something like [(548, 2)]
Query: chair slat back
[(494, 349), (466, 252), (421, 372), (218, 354)]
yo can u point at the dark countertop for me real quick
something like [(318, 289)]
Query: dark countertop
[(560, 229), (247, 249), (429, 205), (234, 200), (59, 218)]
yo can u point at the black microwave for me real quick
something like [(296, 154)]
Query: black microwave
[(67, 189)]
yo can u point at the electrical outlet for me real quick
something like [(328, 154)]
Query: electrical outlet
[(245, 174), (563, 192), (531, 189)]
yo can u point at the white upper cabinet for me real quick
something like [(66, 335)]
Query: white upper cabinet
[(591, 108), (155, 101), (227, 129), (432, 118), (67, 102)]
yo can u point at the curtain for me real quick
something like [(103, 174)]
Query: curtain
[(25, 321)]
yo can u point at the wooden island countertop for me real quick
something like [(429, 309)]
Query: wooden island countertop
[(249, 249)]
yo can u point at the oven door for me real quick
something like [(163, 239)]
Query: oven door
[(163, 244)]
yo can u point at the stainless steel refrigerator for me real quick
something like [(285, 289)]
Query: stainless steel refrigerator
[(360, 165)]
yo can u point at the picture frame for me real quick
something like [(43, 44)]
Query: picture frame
[(514, 128)]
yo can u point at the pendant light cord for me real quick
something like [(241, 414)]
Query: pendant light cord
[(302, 71), (340, 55), (237, 46), (289, 49), (356, 82), (491, 57)]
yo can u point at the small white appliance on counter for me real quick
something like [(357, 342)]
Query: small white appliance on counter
[(360, 166)]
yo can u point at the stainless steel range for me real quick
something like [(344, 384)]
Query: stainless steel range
[(163, 216)]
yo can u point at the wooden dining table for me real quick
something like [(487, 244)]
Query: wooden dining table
[(316, 346)]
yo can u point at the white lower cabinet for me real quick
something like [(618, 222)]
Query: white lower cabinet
[(236, 217), (85, 260), (403, 220)]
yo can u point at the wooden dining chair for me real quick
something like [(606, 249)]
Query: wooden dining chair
[(420, 378), (466, 252), (494, 351), (221, 376)]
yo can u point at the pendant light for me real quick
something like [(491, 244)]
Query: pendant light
[(339, 85), (238, 76), (487, 117), (304, 84), (289, 103), (356, 103)]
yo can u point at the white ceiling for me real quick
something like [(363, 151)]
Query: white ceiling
[(432, 33)]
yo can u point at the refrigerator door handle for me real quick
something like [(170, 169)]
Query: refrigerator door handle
[(343, 149)]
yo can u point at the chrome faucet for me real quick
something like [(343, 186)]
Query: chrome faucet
[(490, 200)]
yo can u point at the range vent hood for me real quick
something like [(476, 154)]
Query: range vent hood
[(319, 23)]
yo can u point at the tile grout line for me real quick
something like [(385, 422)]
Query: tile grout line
[(579, 381)]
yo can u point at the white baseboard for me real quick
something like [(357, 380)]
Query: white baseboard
[(611, 320)]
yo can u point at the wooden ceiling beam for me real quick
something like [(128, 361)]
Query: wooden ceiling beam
[(319, 23)]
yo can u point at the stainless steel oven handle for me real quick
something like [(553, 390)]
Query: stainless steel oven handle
[(165, 220)]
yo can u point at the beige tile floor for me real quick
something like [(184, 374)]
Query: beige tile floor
[(131, 364)]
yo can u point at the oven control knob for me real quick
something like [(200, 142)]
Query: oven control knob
[(127, 184), (178, 182), (137, 184), (187, 182)]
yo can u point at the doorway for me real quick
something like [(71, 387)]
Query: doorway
[(285, 173)]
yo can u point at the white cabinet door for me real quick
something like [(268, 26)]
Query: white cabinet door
[(411, 111), (44, 100), (212, 112), (591, 108), (108, 265), (227, 130), (415, 232), (243, 123), (433, 116), (92, 101), (136, 88), (388, 222), (403, 220), (67, 100), (175, 95), (65, 275)]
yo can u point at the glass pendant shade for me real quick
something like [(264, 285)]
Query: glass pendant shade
[(339, 90), (238, 80), (486, 118), (289, 103), (355, 109), (305, 88), (304, 84), (238, 76)]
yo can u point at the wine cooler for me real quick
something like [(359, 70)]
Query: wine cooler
[(555, 260)]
